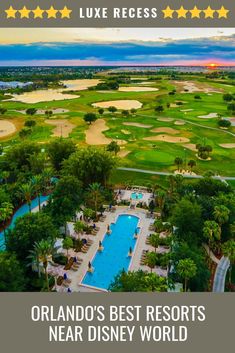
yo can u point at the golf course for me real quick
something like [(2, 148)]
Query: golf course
[(156, 119)]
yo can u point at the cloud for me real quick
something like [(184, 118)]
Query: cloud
[(167, 51)]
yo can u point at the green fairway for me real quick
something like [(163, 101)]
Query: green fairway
[(144, 146)]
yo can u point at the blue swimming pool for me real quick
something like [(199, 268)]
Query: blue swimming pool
[(24, 209), (136, 196), (108, 263)]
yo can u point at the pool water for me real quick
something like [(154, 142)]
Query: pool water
[(136, 195), (108, 263), (24, 209)]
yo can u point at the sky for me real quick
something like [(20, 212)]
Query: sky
[(117, 46)]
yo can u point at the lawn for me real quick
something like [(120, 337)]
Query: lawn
[(141, 152)]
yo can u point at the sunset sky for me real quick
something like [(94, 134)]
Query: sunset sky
[(113, 46)]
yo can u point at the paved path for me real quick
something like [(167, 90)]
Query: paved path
[(167, 173), (220, 275)]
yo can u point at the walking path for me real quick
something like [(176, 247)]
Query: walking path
[(220, 275), (192, 176)]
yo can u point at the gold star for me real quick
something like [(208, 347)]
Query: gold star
[(24, 13), (11, 13), (195, 12), (182, 12), (51, 12), (209, 12), (168, 12), (65, 13), (38, 12), (222, 12)]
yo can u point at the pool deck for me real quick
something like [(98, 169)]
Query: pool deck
[(76, 277)]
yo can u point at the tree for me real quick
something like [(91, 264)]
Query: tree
[(3, 111), (79, 227), (48, 113), (178, 162), (28, 229), (113, 147), (37, 184), (59, 150), (159, 109), (155, 283), (11, 273), (101, 111), (90, 117), (221, 214), (191, 164), (25, 132), (90, 165), (6, 211), (211, 231), (31, 111), (231, 107), (151, 259), (94, 196), (227, 97), (138, 281), (67, 244), (30, 123), (186, 269), (187, 218), (228, 249), (26, 193), (133, 111), (112, 109), (125, 113), (224, 123), (154, 241), (65, 200), (197, 96), (44, 250)]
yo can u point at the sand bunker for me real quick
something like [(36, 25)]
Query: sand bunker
[(179, 122), (167, 138), (192, 87), (119, 104), (62, 127), (6, 128), (143, 126), (167, 130), (227, 145), (232, 120), (208, 116), (191, 146), (137, 89), (79, 85), (43, 95), (123, 153), (165, 119), (95, 136)]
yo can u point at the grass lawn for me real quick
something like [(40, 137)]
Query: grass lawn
[(146, 154)]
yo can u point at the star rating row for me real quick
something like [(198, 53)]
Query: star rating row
[(38, 13), (196, 13)]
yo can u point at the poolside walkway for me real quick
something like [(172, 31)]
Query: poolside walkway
[(144, 223), (220, 275)]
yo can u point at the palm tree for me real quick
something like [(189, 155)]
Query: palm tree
[(94, 195), (229, 251), (26, 192), (221, 214), (212, 232), (79, 227), (67, 244), (186, 269), (44, 249), (160, 200), (154, 240), (191, 164), (6, 212), (37, 185), (151, 259), (178, 162)]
